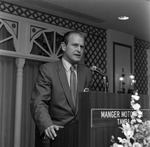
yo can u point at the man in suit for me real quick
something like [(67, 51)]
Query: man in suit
[(53, 105)]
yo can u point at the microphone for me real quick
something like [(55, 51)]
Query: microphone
[(105, 77), (94, 68)]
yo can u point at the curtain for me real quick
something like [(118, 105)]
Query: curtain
[(27, 126), (7, 91), (7, 100)]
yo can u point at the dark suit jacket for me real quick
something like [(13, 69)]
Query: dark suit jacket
[(51, 101)]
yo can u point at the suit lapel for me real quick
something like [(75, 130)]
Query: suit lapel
[(64, 83)]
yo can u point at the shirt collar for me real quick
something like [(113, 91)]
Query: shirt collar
[(67, 65)]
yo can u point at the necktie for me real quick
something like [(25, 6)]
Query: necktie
[(73, 84)]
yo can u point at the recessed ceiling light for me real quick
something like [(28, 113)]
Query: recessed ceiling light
[(123, 17)]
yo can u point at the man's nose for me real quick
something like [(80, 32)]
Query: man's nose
[(79, 48)]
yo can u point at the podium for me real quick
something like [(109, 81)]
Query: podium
[(100, 116)]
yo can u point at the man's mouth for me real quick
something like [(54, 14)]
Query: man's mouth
[(77, 55)]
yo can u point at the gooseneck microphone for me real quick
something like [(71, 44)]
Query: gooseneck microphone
[(100, 71), (105, 77)]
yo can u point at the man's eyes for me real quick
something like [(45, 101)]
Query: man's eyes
[(76, 45)]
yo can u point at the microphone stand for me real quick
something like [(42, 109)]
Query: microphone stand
[(105, 83), (105, 79)]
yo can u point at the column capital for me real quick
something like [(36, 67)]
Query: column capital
[(20, 62)]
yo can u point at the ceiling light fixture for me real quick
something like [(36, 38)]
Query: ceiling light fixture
[(123, 17)]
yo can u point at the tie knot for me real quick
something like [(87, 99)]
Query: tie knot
[(72, 68)]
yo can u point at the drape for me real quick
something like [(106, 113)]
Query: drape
[(7, 100), (28, 127), (7, 91)]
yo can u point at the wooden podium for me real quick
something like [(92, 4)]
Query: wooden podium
[(100, 116)]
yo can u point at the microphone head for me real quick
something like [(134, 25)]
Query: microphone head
[(93, 68), (100, 71)]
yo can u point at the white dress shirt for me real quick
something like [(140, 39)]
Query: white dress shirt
[(67, 66)]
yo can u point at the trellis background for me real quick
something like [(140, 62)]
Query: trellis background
[(140, 64)]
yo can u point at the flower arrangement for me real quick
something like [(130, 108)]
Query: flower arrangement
[(136, 132)]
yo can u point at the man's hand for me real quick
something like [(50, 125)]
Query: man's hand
[(51, 131)]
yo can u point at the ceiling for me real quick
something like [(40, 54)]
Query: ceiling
[(100, 13)]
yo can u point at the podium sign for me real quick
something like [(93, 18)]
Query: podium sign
[(113, 117)]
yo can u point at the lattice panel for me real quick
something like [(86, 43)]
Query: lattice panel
[(48, 45), (6, 39), (140, 63), (95, 54)]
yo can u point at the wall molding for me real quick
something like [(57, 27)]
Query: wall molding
[(24, 56)]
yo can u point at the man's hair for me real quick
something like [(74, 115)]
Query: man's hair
[(66, 36)]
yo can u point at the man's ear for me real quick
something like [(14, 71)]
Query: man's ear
[(63, 46)]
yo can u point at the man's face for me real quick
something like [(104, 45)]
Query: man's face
[(73, 51)]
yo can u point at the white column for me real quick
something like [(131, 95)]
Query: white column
[(18, 107)]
